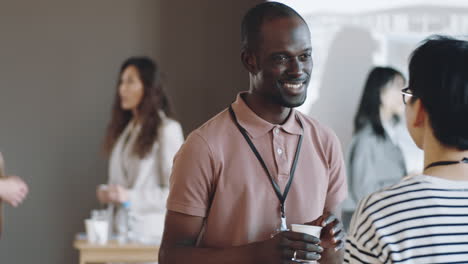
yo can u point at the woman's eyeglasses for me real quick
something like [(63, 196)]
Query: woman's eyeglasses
[(406, 93)]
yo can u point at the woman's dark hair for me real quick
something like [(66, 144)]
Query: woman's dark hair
[(154, 100), (438, 76), (369, 107)]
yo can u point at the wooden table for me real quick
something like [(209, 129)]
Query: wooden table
[(114, 252)]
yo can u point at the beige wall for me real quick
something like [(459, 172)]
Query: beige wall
[(58, 67), (200, 54)]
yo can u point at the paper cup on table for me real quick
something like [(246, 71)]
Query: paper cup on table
[(307, 229), (97, 231)]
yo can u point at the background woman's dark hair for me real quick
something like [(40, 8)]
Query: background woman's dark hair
[(369, 106), (154, 100), (438, 76)]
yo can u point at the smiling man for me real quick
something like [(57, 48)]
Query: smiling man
[(246, 175)]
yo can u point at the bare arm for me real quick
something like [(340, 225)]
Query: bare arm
[(181, 233), (180, 236)]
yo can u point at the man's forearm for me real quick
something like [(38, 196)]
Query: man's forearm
[(246, 254), (330, 256)]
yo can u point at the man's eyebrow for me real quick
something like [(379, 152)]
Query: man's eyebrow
[(287, 53), (279, 53)]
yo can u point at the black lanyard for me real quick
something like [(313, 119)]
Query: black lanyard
[(281, 196), (443, 163)]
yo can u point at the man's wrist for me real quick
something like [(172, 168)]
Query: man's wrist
[(255, 253), (330, 256)]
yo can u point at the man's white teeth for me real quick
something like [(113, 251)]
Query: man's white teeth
[(292, 86)]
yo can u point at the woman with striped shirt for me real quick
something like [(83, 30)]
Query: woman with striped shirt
[(424, 219)]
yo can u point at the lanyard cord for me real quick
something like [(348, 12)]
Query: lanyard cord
[(281, 197), (444, 163)]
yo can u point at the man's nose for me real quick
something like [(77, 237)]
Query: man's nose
[(295, 67)]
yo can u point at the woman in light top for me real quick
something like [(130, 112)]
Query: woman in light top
[(142, 139), (375, 159)]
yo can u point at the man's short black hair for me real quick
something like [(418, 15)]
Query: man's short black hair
[(438, 75), (254, 18)]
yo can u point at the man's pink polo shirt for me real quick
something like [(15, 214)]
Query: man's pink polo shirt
[(217, 176)]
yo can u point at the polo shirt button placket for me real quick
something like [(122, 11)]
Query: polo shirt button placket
[(279, 151)]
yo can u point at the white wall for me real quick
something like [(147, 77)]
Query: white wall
[(349, 37)]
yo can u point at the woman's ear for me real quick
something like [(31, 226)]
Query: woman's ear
[(421, 114), (249, 61)]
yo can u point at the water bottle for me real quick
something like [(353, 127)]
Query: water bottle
[(124, 228)]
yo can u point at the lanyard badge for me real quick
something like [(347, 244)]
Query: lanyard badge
[(284, 226)]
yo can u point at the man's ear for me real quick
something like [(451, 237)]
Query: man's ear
[(249, 60), (421, 114)]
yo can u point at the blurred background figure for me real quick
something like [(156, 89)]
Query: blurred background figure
[(13, 190), (375, 158), (142, 139), (342, 74)]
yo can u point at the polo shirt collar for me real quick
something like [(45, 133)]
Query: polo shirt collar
[(256, 126)]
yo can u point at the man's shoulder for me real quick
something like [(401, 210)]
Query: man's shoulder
[(319, 130), (214, 129), (312, 123)]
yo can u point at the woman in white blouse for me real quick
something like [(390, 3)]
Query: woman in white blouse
[(141, 142)]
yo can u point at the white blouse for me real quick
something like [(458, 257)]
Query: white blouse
[(146, 179)]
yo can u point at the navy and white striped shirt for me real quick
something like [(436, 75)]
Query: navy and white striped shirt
[(422, 219)]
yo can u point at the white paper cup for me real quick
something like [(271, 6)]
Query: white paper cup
[(307, 229), (97, 231)]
